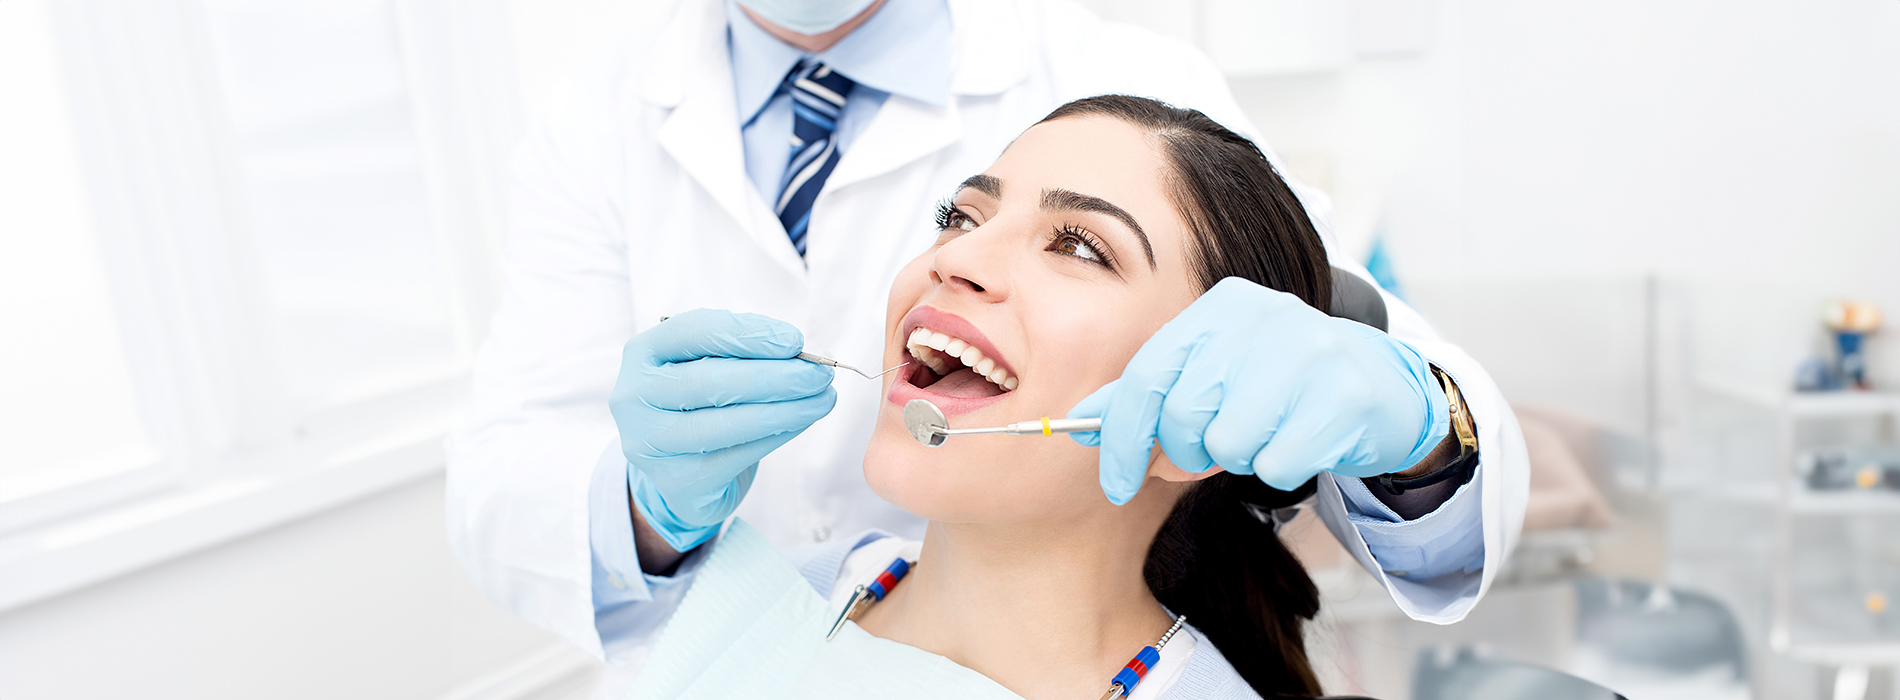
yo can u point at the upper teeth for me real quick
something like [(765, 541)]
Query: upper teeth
[(938, 350)]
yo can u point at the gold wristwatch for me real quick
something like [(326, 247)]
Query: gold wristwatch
[(1461, 467)]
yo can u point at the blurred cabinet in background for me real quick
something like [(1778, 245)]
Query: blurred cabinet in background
[(1837, 561)]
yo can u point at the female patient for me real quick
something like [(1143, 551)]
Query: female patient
[(1095, 228)]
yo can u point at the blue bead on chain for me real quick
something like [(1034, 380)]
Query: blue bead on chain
[(1119, 686)]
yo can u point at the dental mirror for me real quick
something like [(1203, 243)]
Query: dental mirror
[(927, 423)]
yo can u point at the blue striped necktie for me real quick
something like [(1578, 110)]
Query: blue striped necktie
[(818, 97)]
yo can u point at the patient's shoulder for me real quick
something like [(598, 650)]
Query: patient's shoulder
[(1206, 675), (824, 565)]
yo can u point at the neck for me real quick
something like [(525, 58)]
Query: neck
[(1046, 610)]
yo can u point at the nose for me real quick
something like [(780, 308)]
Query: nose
[(974, 263)]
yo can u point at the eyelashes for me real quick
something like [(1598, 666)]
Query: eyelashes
[(1067, 239), (949, 217), (1079, 243)]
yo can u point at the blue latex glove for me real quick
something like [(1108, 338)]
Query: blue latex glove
[(701, 398), (1258, 382)]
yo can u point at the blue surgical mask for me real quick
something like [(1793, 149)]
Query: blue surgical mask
[(807, 16)]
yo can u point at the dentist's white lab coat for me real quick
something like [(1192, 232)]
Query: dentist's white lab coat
[(631, 202)]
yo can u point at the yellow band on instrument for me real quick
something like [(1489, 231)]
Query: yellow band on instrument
[(1045, 427)]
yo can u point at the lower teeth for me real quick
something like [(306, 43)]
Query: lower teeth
[(937, 365)]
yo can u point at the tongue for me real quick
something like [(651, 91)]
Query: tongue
[(966, 384)]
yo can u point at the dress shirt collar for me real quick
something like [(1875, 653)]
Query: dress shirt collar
[(903, 49)]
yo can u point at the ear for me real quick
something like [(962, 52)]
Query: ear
[(1160, 467)]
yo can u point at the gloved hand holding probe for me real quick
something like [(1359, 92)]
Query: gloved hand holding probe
[(1258, 382), (700, 400)]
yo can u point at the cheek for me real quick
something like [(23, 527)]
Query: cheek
[(1078, 350), (907, 288)]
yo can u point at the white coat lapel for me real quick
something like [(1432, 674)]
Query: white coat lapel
[(904, 130), (702, 134), (987, 58), (693, 75)]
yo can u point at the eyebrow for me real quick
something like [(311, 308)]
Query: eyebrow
[(984, 183), (1065, 200)]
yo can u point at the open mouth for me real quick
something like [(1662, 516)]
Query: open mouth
[(954, 365)]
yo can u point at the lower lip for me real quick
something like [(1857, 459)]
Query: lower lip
[(903, 392)]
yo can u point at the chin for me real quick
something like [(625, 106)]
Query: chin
[(979, 480), (937, 483)]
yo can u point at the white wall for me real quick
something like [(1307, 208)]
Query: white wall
[(364, 601), (360, 602), (1537, 163), (1745, 154), (552, 37)]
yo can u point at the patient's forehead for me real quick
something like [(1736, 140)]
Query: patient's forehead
[(1085, 149)]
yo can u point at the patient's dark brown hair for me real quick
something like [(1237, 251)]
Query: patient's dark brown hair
[(1215, 560)]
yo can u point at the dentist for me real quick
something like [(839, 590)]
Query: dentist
[(782, 158)]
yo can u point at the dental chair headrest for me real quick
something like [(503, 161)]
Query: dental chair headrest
[(1356, 299)]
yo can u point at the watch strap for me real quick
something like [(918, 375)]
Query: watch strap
[(1461, 467)]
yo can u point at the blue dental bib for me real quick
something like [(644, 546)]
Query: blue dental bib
[(752, 627)]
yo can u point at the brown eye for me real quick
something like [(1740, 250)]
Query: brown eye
[(1072, 242), (950, 217)]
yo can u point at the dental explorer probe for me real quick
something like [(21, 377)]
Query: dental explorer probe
[(926, 422), (828, 362)]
